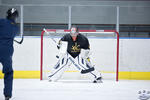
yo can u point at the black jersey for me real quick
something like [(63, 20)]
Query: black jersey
[(74, 47)]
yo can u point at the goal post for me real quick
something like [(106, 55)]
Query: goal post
[(44, 38)]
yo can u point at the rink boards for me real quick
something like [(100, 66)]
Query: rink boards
[(133, 62)]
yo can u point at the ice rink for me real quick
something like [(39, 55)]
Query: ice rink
[(34, 89)]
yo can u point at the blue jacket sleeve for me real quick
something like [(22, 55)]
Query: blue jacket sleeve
[(8, 29)]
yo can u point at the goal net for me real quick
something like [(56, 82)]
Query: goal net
[(104, 45)]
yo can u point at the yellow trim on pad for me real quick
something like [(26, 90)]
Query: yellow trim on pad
[(122, 75)]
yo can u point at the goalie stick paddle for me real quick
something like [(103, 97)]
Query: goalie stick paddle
[(87, 70), (83, 71)]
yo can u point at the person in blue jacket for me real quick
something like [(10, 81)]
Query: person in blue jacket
[(8, 30)]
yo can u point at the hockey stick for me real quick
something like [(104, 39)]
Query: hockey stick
[(83, 71), (21, 41), (51, 37), (74, 63)]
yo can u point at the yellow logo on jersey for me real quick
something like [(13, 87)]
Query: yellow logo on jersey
[(75, 48)]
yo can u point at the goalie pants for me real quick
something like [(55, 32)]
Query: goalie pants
[(8, 75), (78, 62)]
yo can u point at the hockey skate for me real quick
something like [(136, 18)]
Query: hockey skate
[(98, 80)]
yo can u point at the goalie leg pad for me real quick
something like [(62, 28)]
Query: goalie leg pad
[(58, 69)]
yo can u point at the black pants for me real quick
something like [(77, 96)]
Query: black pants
[(8, 75)]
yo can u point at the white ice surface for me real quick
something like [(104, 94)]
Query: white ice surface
[(34, 89)]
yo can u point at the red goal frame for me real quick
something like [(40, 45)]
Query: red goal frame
[(80, 31)]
